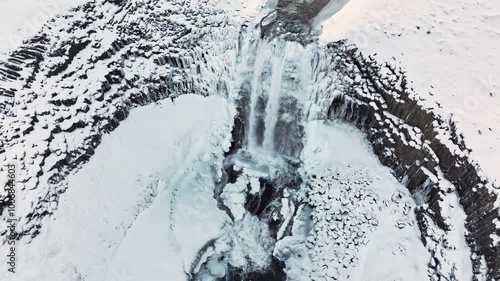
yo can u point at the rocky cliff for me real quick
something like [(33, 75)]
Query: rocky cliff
[(424, 150), (80, 76)]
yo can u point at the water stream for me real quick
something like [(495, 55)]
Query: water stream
[(273, 84)]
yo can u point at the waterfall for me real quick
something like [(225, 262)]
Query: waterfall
[(279, 78), (272, 90), (273, 102), (254, 95)]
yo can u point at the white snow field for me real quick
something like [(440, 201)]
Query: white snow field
[(143, 206), (450, 51), (116, 219), (367, 212), (364, 225), (21, 19)]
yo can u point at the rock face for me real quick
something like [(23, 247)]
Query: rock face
[(80, 76), (423, 149)]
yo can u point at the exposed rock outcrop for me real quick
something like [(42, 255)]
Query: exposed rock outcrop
[(60, 93), (423, 149)]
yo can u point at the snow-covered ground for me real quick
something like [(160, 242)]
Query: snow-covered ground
[(450, 51), (365, 227), (160, 161), (22, 19)]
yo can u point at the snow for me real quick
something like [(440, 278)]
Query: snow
[(450, 51), (118, 207), (251, 244), (453, 212), (294, 252), (22, 19), (364, 225), (234, 197)]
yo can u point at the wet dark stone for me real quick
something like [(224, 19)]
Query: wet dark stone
[(232, 175), (117, 2), (238, 136), (257, 203), (292, 19), (289, 134), (260, 126), (273, 273), (4, 203)]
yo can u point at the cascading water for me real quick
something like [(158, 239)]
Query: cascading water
[(280, 84), (273, 83)]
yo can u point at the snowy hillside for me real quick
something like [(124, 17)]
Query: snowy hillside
[(450, 52), (24, 18), (249, 140)]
